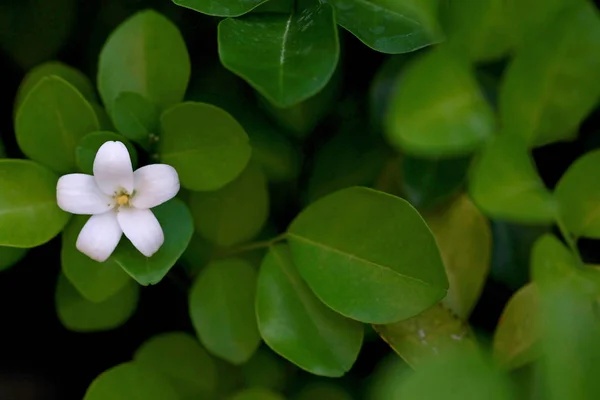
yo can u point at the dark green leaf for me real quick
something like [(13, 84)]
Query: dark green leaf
[(368, 255), (222, 8), (267, 370), (287, 58), (135, 117), (180, 359), (81, 315), (221, 307), (323, 390), (505, 185), (9, 256), (205, 144), (552, 83), (50, 122), (88, 146), (436, 111), (146, 55), (130, 381), (295, 324), (394, 27), (256, 394), (29, 215)]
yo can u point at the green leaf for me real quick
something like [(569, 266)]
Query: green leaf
[(235, 213), (223, 8), (286, 58), (432, 333), (135, 117), (179, 358), (516, 340), (96, 282), (146, 55), (296, 325), (464, 238), (505, 185), (323, 390), (439, 112), (205, 144), (430, 182), (88, 146), (75, 77), (176, 222), (130, 381), (578, 196), (393, 27), (266, 369), (256, 394), (222, 309), (392, 273), (29, 215), (103, 118), (50, 122), (9, 256), (81, 315), (551, 85)]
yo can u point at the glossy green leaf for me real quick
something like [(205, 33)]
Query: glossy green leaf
[(428, 183), (88, 146), (434, 332), (135, 117), (256, 394), (437, 111), (578, 196), (50, 122), (505, 185), (235, 213), (516, 340), (29, 215), (221, 307), (146, 55), (393, 27), (551, 85), (276, 54), (464, 238), (275, 6), (176, 222), (225, 8), (81, 315), (130, 381), (295, 324), (179, 358), (75, 77), (95, 282), (267, 370), (206, 145), (9, 256), (392, 273)]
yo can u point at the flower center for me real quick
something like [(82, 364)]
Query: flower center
[(123, 200)]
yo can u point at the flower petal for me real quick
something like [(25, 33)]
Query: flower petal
[(154, 184), (142, 228), (79, 194), (112, 168), (99, 236)]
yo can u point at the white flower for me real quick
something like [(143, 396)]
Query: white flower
[(119, 201)]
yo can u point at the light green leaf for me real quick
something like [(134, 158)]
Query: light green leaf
[(9, 256), (235, 213), (390, 26), (50, 122), (578, 196), (221, 307), (552, 84), (88, 146), (130, 381), (437, 112), (464, 238), (286, 58), (516, 340), (180, 359), (96, 282), (29, 215), (205, 144), (146, 55), (223, 8), (176, 222), (505, 185), (296, 325), (81, 315), (368, 255), (135, 117), (256, 394)]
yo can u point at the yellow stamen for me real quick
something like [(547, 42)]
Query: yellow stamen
[(122, 200)]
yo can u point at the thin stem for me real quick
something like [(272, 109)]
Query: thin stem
[(570, 239), (250, 246)]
